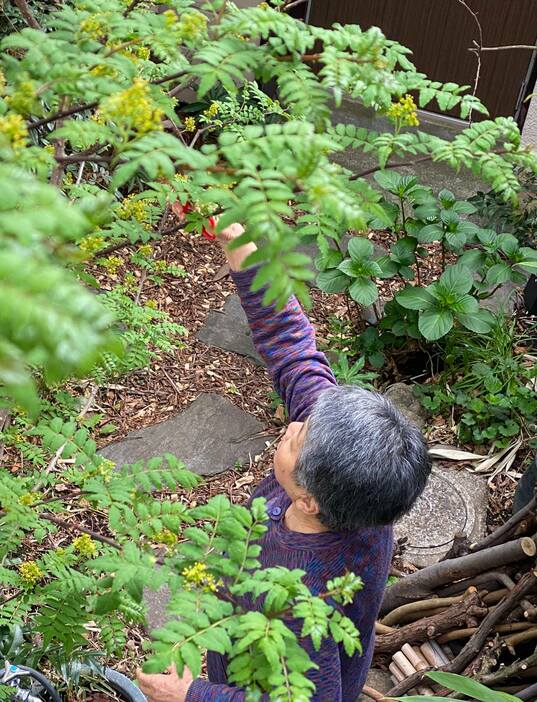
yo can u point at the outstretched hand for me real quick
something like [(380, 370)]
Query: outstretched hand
[(165, 687)]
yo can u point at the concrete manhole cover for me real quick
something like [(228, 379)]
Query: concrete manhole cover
[(453, 501)]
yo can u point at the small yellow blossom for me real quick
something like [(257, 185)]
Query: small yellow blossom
[(101, 69), (161, 266), (197, 576), (190, 124), (94, 26), (112, 263), (129, 281), (152, 304), (192, 24), (404, 112), (170, 18), (145, 249), (68, 178), (13, 129), (264, 6), (212, 110), (166, 537), (85, 546), (30, 498), (23, 99), (130, 208), (181, 177), (91, 244), (30, 573), (133, 108)]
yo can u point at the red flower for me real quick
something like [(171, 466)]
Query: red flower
[(209, 232)]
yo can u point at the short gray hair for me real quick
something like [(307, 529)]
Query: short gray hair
[(363, 461)]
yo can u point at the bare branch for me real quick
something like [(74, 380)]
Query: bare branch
[(477, 50), (131, 7), (528, 47), (27, 14)]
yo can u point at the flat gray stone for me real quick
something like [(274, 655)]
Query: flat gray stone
[(379, 680), (156, 603), (210, 436), (453, 501), (402, 396), (504, 299), (228, 329)]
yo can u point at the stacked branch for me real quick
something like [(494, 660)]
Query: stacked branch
[(480, 600)]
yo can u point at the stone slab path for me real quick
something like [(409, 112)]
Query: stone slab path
[(228, 329), (210, 436)]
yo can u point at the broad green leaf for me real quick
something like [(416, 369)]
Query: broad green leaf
[(435, 323), (457, 279), (364, 291), (414, 298), (430, 233), (333, 281), (470, 688), (480, 322), (360, 248)]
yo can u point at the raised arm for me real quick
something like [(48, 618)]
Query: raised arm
[(285, 339)]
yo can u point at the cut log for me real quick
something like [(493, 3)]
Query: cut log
[(421, 607), (424, 582), (430, 627)]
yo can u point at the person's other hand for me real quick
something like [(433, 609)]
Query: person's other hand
[(227, 235), (167, 687)]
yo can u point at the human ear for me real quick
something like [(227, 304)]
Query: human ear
[(307, 504)]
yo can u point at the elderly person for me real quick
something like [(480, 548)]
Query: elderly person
[(348, 465)]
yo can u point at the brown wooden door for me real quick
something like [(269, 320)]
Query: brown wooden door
[(439, 32)]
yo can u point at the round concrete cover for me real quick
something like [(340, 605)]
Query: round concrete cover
[(448, 505)]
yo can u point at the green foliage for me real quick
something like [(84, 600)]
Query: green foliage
[(488, 384), (464, 686), (354, 374), (518, 218), (95, 147)]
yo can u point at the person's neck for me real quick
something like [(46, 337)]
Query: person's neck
[(295, 520)]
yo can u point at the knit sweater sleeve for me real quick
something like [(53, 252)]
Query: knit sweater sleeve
[(326, 677), (285, 340)]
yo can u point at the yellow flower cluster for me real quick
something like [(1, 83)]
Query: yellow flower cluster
[(191, 25), (181, 177), (170, 18), (212, 110), (94, 26), (166, 537), (30, 573), (112, 263), (13, 129), (133, 209), (404, 112), (103, 70), (90, 244), (85, 546), (133, 108), (30, 498), (152, 304), (161, 266), (197, 576), (23, 99), (145, 249), (190, 124)]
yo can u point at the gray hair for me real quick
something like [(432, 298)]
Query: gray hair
[(362, 460)]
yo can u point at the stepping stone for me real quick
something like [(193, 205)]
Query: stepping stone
[(228, 329), (402, 396), (453, 501), (210, 436), (156, 603), (379, 680)]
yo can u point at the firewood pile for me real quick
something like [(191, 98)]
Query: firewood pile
[(473, 613)]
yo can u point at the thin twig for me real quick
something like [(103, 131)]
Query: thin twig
[(477, 50), (510, 524), (94, 535), (27, 14), (529, 47), (292, 4), (131, 7)]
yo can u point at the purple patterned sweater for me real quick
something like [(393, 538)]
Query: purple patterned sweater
[(286, 341)]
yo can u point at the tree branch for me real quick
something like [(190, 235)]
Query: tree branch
[(529, 47), (27, 14), (476, 50), (131, 7)]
